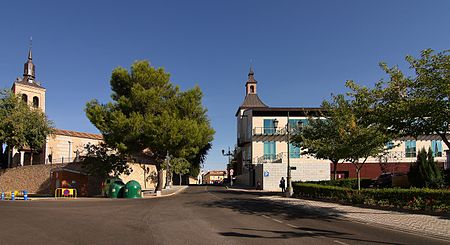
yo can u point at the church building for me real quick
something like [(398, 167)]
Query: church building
[(61, 147)]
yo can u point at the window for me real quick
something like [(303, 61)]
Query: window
[(436, 148), (25, 98), (268, 126), (294, 151), (269, 150), (410, 148), (294, 123), (389, 145), (35, 102), (252, 89)]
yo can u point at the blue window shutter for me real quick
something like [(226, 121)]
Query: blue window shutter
[(268, 126)]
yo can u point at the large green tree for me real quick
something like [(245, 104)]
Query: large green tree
[(151, 117), (21, 126), (413, 105)]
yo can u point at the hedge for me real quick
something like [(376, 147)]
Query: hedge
[(347, 183), (415, 199)]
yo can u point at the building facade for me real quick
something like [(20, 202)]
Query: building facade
[(214, 177), (263, 148), (263, 143)]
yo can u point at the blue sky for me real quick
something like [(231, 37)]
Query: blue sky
[(302, 51)]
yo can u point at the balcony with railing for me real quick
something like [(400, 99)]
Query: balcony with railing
[(272, 134)]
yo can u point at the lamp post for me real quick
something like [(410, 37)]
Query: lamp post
[(289, 190), (230, 172)]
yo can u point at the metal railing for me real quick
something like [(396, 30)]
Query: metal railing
[(273, 131)]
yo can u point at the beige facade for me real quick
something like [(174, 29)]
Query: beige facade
[(145, 174), (66, 146), (214, 177), (33, 95)]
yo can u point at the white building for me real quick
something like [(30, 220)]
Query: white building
[(262, 152), (262, 147)]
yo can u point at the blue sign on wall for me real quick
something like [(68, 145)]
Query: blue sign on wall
[(266, 173)]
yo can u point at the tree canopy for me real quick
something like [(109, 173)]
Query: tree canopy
[(343, 134), (415, 105), (20, 125), (180, 166), (151, 116), (100, 160)]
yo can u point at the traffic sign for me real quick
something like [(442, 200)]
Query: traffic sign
[(231, 172)]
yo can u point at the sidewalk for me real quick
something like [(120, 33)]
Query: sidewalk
[(428, 225), (147, 194), (175, 189)]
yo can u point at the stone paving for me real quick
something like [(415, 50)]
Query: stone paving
[(436, 226)]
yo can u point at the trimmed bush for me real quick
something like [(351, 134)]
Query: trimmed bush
[(347, 183), (415, 199)]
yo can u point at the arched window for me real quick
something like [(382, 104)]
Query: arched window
[(35, 102), (25, 98), (252, 89)]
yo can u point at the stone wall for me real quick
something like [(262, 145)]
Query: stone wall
[(307, 171), (35, 178)]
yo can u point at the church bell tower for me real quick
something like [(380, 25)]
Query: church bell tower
[(27, 87)]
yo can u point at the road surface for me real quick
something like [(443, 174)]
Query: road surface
[(199, 215)]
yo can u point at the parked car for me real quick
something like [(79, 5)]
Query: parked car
[(387, 180)]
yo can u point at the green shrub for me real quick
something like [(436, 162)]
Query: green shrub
[(424, 172), (416, 199), (347, 183)]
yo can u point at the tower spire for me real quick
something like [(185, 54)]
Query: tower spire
[(30, 56), (28, 67)]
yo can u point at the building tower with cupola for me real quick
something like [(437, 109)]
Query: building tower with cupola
[(63, 145), (28, 88)]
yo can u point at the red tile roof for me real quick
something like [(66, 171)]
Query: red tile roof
[(78, 134)]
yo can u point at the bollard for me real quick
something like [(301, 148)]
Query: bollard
[(25, 195), (3, 196), (12, 196)]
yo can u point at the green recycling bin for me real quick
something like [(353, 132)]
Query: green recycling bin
[(116, 189), (132, 189)]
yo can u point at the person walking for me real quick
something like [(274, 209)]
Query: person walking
[(282, 184)]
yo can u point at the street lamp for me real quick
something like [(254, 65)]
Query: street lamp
[(289, 190), (230, 172)]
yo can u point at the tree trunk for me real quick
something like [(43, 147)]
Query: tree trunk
[(9, 157), (358, 174), (180, 178), (31, 156), (335, 170), (160, 178)]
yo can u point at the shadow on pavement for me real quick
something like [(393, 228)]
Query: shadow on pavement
[(248, 203), (302, 232)]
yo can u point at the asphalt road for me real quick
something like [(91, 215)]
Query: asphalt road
[(199, 215)]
